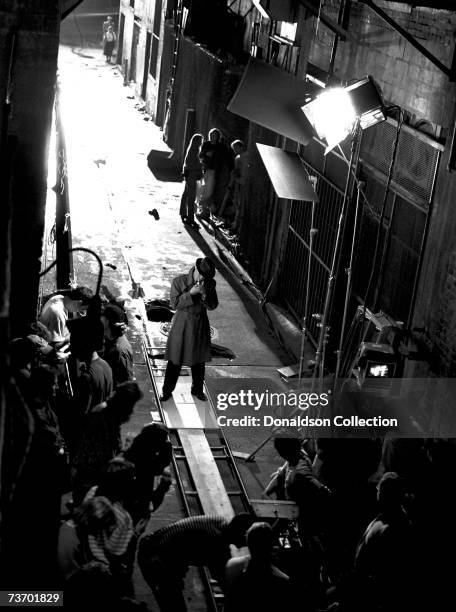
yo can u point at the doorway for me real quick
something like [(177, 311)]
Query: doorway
[(134, 52), (146, 66), (120, 39)]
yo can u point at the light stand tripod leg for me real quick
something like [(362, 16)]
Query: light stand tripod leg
[(348, 288), (251, 457), (305, 325)]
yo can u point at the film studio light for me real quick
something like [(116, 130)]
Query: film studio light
[(335, 112)]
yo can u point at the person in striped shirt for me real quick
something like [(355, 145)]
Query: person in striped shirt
[(165, 555)]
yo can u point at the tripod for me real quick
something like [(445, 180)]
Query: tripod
[(304, 332), (320, 355)]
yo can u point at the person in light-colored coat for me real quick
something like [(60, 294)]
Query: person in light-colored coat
[(189, 341)]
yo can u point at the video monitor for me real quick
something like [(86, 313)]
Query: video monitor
[(379, 369)]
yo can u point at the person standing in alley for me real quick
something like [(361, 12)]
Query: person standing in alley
[(192, 171), (189, 341), (109, 22), (253, 581), (100, 440), (117, 352), (239, 179), (217, 162), (56, 311), (109, 40)]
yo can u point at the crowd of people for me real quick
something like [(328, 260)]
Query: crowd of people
[(74, 372), (216, 178), (375, 516)]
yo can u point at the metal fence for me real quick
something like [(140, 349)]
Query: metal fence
[(403, 232), (295, 264)]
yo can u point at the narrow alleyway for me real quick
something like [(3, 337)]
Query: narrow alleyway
[(108, 137)]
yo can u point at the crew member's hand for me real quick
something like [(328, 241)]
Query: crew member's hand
[(63, 354), (166, 479), (195, 290)]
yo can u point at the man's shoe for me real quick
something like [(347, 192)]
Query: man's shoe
[(200, 395), (165, 396)]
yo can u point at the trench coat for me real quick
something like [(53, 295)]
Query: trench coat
[(189, 339)]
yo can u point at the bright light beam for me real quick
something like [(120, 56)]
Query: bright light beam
[(332, 114)]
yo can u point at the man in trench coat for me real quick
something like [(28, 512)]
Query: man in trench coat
[(189, 341)]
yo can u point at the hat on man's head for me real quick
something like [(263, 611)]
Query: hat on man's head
[(205, 267)]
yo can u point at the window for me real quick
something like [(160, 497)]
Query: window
[(286, 30), (254, 41), (282, 49)]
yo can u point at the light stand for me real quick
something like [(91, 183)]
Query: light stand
[(349, 271), (305, 326), (334, 114), (312, 232), (320, 354)]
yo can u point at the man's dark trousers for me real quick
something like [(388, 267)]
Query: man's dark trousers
[(172, 374)]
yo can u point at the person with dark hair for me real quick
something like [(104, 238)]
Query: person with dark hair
[(47, 437), (217, 161), (189, 340), (239, 178), (117, 482), (252, 582), (54, 314), (151, 453), (165, 555), (386, 557), (40, 482), (100, 440), (22, 355), (94, 517), (192, 171), (209, 155), (95, 384), (118, 352), (296, 481)]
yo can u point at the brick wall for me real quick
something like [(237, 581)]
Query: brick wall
[(205, 83), (407, 78), (436, 299), (410, 80)]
